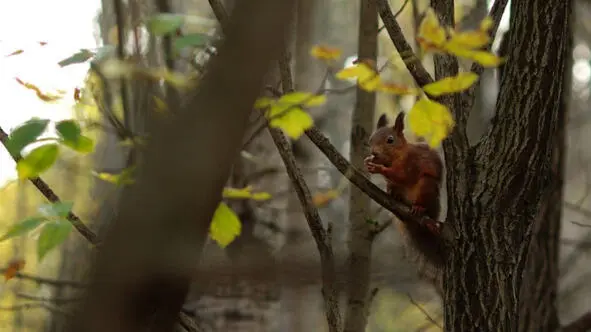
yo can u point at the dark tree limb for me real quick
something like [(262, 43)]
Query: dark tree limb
[(141, 284), (321, 236), (580, 324), (412, 62)]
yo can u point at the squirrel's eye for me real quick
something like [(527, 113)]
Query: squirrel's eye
[(390, 139)]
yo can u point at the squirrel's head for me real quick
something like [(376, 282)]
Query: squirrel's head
[(387, 141)]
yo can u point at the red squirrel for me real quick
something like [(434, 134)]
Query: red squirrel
[(414, 174)]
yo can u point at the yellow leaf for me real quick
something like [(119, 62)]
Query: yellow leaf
[(325, 52), (160, 105), (486, 24), (123, 178), (225, 226), (293, 121), (301, 98), (453, 84), (486, 59), (430, 120), (468, 39), (361, 71), (323, 198), (263, 102), (431, 34), (245, 193), (397, 89)]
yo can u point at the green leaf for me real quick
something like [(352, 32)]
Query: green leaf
[(58, 209), (22, 227), (293, 121), (53, 234), (25, 134), (225, 226), (164, 23), (82, 56), (83, 145), (71, 136), (190, 40), (37, 161), (68, 130), (125, 177)]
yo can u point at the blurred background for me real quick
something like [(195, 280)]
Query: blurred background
[(46, 32)]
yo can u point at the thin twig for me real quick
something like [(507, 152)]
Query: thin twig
[(431, 319), (396, 14), (48, 281), (412, 62), (120, 21), (320, 235), (44, 188)]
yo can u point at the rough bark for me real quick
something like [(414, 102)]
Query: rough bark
[(507, 181)]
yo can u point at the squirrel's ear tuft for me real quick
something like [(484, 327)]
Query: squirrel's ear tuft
[(399, 124), (382, 121)]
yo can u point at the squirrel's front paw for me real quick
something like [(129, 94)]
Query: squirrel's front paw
[(417, 210), (374, 168)]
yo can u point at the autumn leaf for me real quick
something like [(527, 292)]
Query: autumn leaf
[(397, 89), (305, 99), (431, 34), (452, 84), (17, 52), (367, 78), (325, 52), (41, 95), (294, 121), (431, 120), (321, 199), (245, 193), (13, 268), (467, 40), (37, 161), (287, 114), (225, 226), (123, 178), (486, 24)]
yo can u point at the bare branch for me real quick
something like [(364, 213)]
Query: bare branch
[(413, 63), (321, 236), (51, 196), (48, 281)]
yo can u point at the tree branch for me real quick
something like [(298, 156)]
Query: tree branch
[(321, 236), (412, 62), (51, 196), (580, 324)]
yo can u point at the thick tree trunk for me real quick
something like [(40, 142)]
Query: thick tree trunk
[(503, 192)]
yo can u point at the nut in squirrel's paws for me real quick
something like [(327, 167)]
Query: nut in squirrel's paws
[(372, 167), (417, 210)]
